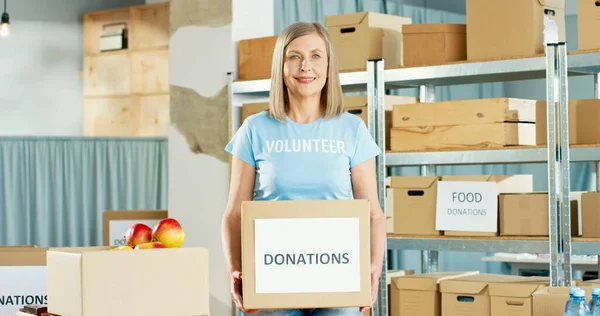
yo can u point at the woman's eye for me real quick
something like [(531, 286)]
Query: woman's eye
[(316, 56), (294, 57)]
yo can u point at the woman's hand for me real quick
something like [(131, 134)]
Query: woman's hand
[(236, 293), (375, 275)]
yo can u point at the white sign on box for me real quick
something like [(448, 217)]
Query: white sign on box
[(467, 206), (22, 285), (307, 255), (118, 227)]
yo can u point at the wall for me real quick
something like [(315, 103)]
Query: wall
[(39, 66)]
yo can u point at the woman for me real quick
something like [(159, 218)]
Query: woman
[(306, 110)]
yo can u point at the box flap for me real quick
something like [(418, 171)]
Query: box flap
[(558, 4), (426, 282), (476, 283), (434, 28), (522, 290), (355, 101), (23, 256), (466, 178), (410, 182), (345, 19)]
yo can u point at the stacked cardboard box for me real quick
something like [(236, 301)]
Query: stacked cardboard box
[(434, 44), (463, 124), (588, 24), (583, 122)]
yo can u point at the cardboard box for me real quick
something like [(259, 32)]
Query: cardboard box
[(510, 28), (590, 204), (583, 122), (504, 184), (90, 281), (116, 223), (390, 275), (411, 200), (550, 301), (419, 294), (588, 24), (470, 295), (515, 299), (23, 274), (358, 37), (526, 214), (320, 248), (434, 44), (255, 57)]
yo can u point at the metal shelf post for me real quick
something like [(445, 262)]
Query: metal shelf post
[(376, 124), (558, 164)]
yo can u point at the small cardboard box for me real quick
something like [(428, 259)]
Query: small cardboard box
[(515, 299), (419, 294), (321, 248), (411, 200), (504, 184), (390, 275), (90, 281), (255, 57), (526, 214), (470, 295), (116, 223), (550, 301), (590, 204), (358, 37), (510, 28), (588, 24), (23, 278), (583, 122), (434, 44)]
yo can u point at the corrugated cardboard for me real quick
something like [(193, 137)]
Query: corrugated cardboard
[(510, 28), (255, 57), (412, 200), (91, 281), (22, 277), (390, 275), (300, 210), (588, 24), (590, 204), (583, 122), (515, 299), (550, 301), (358, 37), (123, 219), (419, 294), (434, 44), (526, 214)]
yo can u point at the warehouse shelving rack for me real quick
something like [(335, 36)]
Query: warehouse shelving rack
[(554, 68)]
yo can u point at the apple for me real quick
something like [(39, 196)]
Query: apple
[(169, 232), (149, 245), (121, 248), (138, 234)]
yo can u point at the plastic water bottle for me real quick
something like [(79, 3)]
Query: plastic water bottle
[(571, 292), (578, 306), (594, 309)]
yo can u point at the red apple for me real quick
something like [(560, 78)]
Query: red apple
[(138, 234), (169, 232), (149, 245), (121, 248)]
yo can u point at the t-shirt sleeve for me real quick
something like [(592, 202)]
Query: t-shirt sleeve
[(365, 146), (240, 144)]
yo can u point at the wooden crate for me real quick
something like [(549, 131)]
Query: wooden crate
[(150, 26), (150, 72), (108, 74)]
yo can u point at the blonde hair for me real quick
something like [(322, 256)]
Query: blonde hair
[(332, 98)]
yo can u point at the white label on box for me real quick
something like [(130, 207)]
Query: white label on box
[(22, 285), (307, 255), (118, 228), (467, 206)]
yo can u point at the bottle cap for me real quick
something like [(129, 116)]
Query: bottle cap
[(579, 293), (595, 291), (573, 289)]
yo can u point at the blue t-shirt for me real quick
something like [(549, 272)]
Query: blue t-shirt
[(303, 161)]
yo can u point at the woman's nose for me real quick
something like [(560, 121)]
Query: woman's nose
[(305, 66)]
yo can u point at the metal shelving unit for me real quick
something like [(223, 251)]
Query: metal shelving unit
[(552, 67)]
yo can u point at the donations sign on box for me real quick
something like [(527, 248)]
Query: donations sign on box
[(467, 206), (299, 254)]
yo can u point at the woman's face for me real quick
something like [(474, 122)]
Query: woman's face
[(305, 65)]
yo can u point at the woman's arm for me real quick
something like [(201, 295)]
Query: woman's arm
[(241, 189), (364, 185)]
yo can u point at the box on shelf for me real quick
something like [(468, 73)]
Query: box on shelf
[(449, 197), (91, 281), (411, 204), (588, 24), (550, 301), (470, 295), (358, 37), (330, 267), (255, 57), (419, 294), (526, 214), (590, 204), (515, 299), (463, 124), (434, 44), (510, 28), (390, 275), (23, 274), (583, 122), (117, 222)]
